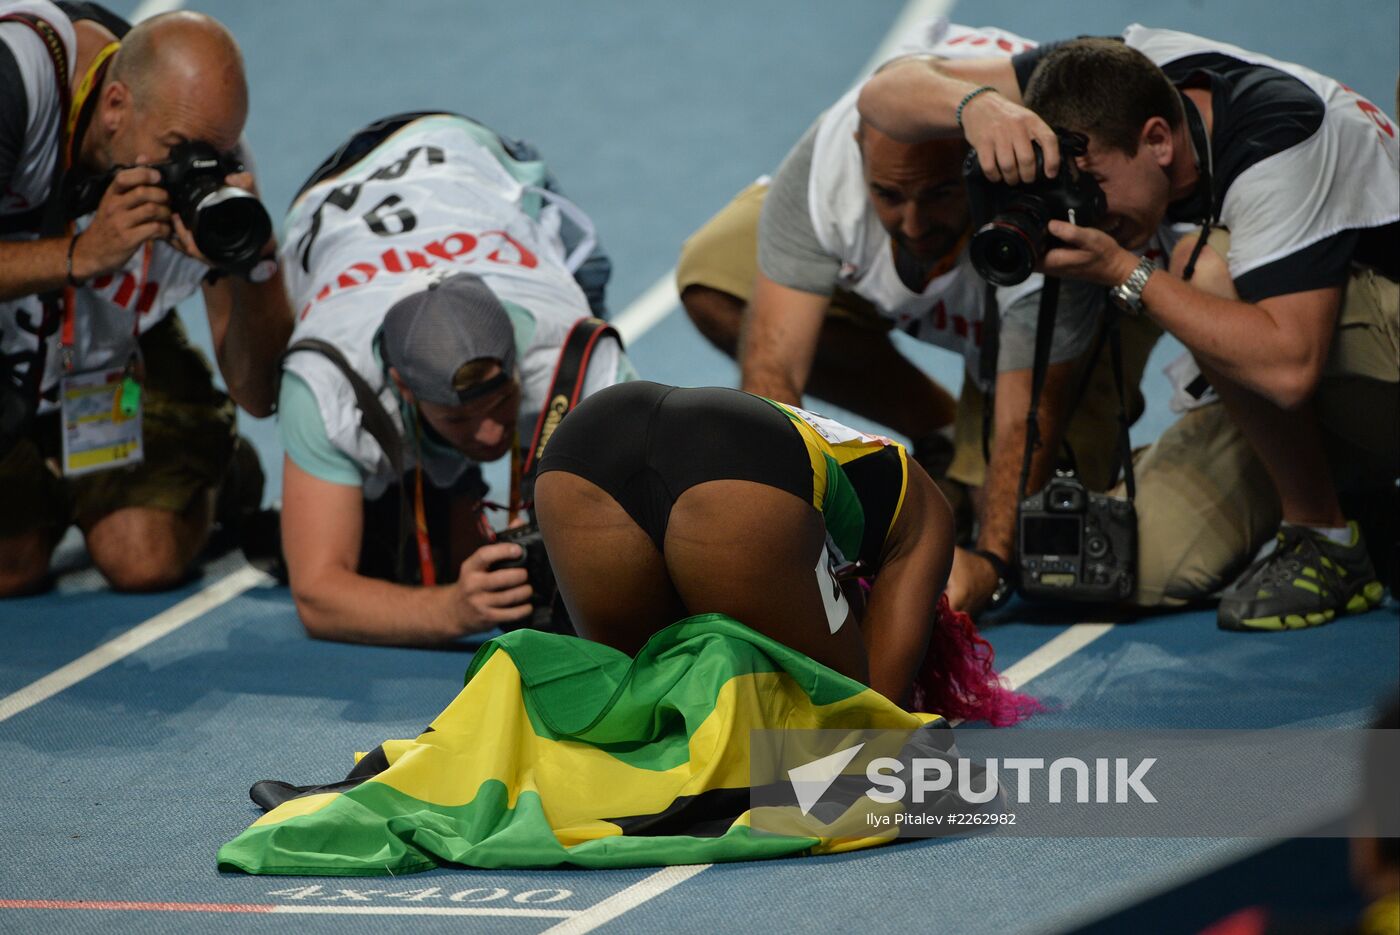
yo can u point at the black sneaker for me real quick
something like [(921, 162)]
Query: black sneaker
[(1306, 581)]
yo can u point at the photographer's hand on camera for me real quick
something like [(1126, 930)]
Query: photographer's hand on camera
[(134, 211), (1089, 255), (483, 598), (1003, 132), (182, 238)]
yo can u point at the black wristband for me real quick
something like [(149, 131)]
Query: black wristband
[(1006, 577), (996, 561)]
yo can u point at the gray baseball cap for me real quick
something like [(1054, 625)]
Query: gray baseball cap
[(440, 323)]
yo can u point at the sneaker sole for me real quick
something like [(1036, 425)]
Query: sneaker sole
[(1366, 599)]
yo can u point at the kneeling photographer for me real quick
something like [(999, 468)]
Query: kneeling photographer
[(1286, 295), (121, 194), (1072, 543), (1055, 534), (444, 287)]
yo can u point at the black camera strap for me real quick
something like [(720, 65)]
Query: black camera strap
[(565, 392), (1125, 444), (987, 362), (566, 386), (1044, 334), (375, 420), (1201, 207)]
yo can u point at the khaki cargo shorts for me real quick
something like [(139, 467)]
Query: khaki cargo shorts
[(188, 432), (1205, 503)]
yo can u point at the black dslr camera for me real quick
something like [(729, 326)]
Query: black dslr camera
[(547, 610), (230, 226), (1075, 544), (1011, 221)]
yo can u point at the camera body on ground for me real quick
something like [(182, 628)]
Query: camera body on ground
[(1076, 544), (1011, 222), (230, 226), (547, 612)]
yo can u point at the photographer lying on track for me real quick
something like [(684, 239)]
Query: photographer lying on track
[(1287, 301), (122, 192), (433, 269), (859, 234), (658, 503)]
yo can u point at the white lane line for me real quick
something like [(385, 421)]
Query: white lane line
[(914, 13), (149, 8), (139, 636), (1041, 660), (661, 298), (1054, 652), (648, 309), (630, 898)]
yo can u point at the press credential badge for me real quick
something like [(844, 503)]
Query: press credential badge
[(101, 421)]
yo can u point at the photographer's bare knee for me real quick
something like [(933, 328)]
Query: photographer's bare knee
[(717, 315), (24, 561), (142, 549)]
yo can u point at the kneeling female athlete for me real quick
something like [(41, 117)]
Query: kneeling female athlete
[(658, 502)]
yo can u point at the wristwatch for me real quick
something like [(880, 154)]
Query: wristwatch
[(1006, 578), (1127, 295), (263, 270)]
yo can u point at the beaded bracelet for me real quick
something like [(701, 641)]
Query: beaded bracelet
[(967, 99), (72, 280)]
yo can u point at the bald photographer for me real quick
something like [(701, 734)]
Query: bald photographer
[(123, 191)]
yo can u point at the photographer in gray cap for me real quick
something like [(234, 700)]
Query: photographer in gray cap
[(390, 546), (452, 334)]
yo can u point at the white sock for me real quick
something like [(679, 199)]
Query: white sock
[(1338, 534)]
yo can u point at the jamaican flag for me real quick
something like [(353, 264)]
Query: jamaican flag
[(563, 751)]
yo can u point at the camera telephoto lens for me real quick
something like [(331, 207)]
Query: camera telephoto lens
[(230, 227)]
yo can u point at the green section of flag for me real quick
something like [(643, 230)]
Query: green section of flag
[(486, 834), (584, 689), (557, 747)]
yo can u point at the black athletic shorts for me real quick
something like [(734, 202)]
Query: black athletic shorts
[(646, 444)]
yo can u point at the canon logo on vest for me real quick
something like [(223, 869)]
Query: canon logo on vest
[(493, 246)]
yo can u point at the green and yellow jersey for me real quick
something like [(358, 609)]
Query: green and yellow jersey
[(858, 482)]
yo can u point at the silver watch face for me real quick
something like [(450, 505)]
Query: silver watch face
[(263, 270), (1124, 298)]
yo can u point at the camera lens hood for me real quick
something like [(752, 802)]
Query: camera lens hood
[(230, 227), (1003, 253)]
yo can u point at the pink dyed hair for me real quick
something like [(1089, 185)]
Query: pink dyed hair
[(956, 678)]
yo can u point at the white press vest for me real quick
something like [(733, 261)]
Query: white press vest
[(110, 307), (432, 198), (1344, 176)]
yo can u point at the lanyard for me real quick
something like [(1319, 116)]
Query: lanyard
[(517, 475), (71, 132), (420, 517)]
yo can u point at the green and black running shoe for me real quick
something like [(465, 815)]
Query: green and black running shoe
[(1306, 581)]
